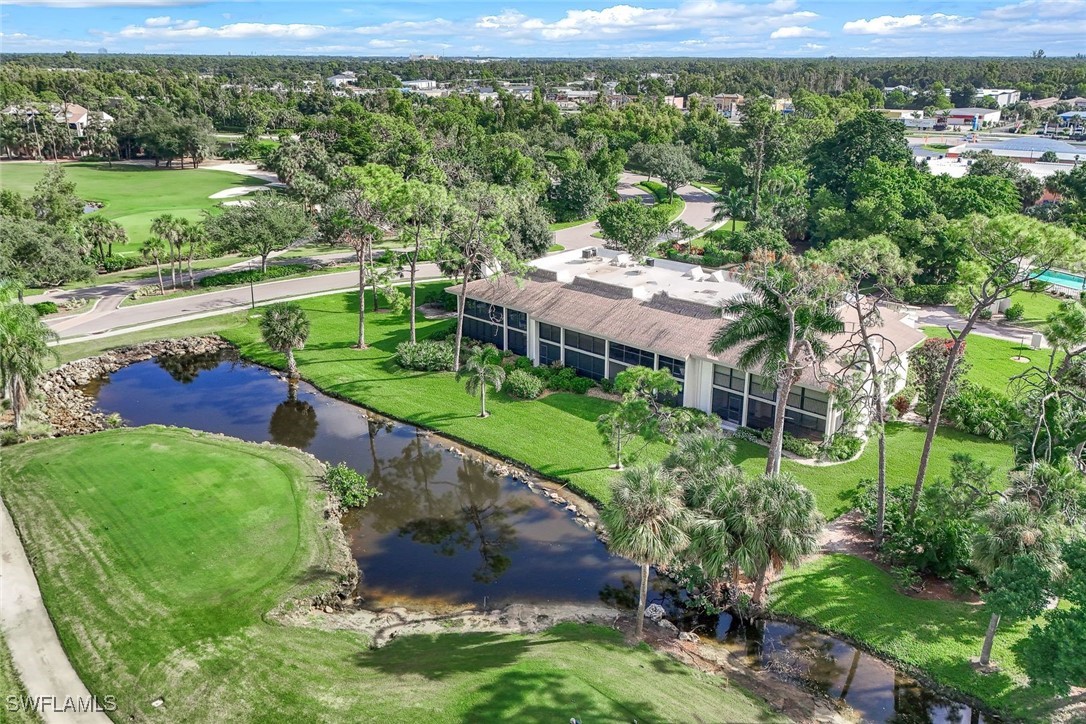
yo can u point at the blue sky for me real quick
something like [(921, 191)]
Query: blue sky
[(552, 28)]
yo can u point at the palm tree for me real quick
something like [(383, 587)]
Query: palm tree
[(102, 233), (195, 236), (24, 347), (733, 204), (646, 521), (153, 247), (781, 325), (285, 328), (482, 368), (775, 523), (170, 229), (1010, 529)]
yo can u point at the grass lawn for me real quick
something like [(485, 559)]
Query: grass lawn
[(12, 685), (134, 195), (312, 249), (555, 248), (555, 434), (936, 147), (159, 551), (854, 597), (990, 359), (1037, 306)]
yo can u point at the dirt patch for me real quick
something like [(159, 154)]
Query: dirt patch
[(1023, 360)]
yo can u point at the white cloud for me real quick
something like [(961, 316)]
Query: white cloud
[(797, 31), (883, 25), (192, 30), (1052, 19)]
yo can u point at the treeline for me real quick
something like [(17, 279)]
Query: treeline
[(1036, 77)]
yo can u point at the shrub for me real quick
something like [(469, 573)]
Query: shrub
[(980, 411), (244, 276), (425, 356), (523, 384), (926, 294), (746, 433), (44, 308), (799, 446), (349, 486), (1014, 312), (901, 403), (841, 447), (985, 314), (116, 263)]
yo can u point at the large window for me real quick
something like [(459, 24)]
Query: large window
[(585, 364), (760, 414), (517, 320), (484, 332), (585, 342), (518, 342), (811, 401), (631, 356), (729, 405), (615, 368), (763, 387), (549, 353), (486, 312), (550, 333), (802, 425), (677, 366), (729, 379)]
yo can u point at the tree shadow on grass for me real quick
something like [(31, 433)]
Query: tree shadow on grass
[(440, 656)]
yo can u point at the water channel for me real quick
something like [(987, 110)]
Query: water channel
[(449, 530)]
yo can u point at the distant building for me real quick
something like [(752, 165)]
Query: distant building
[(1002, 96), (424, 57), (783, 105), (72, 115), (974, 118), (900, 114), (419, 85), (1041, 103), (1073, 118), (1025, 150), (347, 77), (726, 104), (675, 101), (1077, 104)]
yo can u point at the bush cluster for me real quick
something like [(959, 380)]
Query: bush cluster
[(244, 276), (560, 378), (349, 486), (43, 308), (116, 263), (980, 411), (795, 445), (425, 356), (523, 384), (1014, 312), (841, 447), (926, 294)]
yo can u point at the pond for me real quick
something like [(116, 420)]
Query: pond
[(447, 530)]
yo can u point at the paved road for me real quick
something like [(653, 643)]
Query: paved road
[(698, 212), (35, 648)]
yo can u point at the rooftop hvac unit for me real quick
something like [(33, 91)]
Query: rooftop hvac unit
[(650, 261), (588, 253)]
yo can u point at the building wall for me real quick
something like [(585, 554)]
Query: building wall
[(813, 414)]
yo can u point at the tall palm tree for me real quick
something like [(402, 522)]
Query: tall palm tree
[(195, 236), (781, 325), (101, 233), (482, 368), (733, 204), (153, 247), (170, 229), (285, 328), (1010, 529), (775, 523), (24, 347), (647, 522)]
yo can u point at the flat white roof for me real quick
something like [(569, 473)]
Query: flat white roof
[(616, 269)]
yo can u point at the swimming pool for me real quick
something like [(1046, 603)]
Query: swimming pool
[(1063, 279)]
